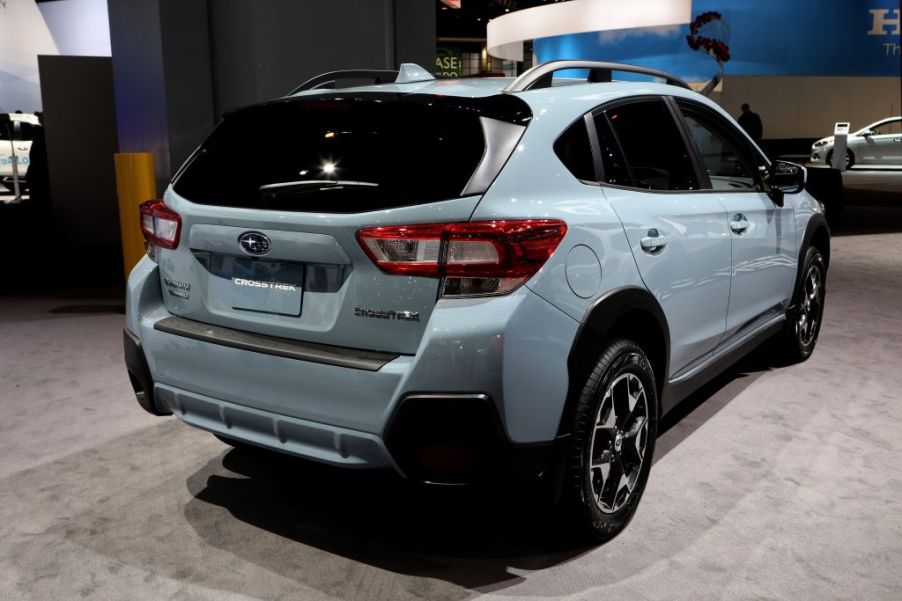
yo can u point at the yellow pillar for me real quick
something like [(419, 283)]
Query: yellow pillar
[(135, 183)]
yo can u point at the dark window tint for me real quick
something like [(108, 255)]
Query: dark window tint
[(653, 146), (728, 162), (19, 130), (575, 152), (615, 169), (338, 153)]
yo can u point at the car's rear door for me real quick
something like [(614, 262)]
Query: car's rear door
[(679, 236), (888, 143)]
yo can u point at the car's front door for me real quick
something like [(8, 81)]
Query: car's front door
[(888, 143), (762, 232), (679, 237)]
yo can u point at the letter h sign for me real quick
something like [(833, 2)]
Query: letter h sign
[(883, 18)]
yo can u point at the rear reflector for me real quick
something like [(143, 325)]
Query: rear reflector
[(476, 258), (160, 225)]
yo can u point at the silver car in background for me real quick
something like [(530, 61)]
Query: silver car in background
[(880, 143)]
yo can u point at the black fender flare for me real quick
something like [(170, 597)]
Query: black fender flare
[(601, 318), (817, 229)]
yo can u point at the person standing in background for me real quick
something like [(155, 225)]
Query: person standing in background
[(751, 123)]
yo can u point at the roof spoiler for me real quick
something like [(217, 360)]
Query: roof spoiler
[(540, 76), (408, 73)]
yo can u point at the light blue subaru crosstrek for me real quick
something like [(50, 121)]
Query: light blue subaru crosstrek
[(448, 278)]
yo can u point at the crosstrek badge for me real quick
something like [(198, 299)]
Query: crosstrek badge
[(269, 285)]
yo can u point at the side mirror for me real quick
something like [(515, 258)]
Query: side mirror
[(785, 178), (868, 133)]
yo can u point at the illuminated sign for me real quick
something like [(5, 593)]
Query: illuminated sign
[(448, 62)]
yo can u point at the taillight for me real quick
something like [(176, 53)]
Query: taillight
[(475, 258), (160, 225)]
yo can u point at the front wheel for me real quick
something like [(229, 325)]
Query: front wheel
[(803, 323), (850, 159), (612, 441)]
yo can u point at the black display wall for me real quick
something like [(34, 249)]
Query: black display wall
[(80, 131), (178, 64)]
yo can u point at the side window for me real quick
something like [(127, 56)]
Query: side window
[(26, 132), (730, 164), (575, 152), (615, 169), (653, 146), (892, 127)]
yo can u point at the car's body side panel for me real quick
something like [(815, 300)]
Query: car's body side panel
[(690, 275), (764, 259)]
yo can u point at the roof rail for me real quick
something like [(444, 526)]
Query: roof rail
[(540, 76), (327, 80), (408, 73)]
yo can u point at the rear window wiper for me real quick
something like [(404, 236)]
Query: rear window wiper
[(312, 185)]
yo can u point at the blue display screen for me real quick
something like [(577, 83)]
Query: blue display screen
[(765, 37)]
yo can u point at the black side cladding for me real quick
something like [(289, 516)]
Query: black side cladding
[(345, 153), (139, 374)]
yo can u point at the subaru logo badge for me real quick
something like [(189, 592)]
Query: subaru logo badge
[(254, 243)]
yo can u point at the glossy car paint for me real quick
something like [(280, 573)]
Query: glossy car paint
[(513, 348)]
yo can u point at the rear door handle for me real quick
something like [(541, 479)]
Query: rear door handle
[(653, 241), (740, 224)]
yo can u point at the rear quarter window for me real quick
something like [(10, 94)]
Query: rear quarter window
[(575, 152)]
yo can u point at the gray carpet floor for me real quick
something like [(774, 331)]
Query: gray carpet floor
[(771, 483)]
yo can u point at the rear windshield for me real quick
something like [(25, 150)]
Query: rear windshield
[(340, 153)]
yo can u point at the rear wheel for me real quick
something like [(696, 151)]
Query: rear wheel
[(803, 324), (612, 442)]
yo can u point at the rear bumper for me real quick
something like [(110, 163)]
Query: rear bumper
[(510, 351), (302, 438)]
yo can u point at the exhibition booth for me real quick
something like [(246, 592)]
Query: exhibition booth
[(450, 299)]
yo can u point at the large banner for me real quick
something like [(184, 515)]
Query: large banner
[(765, 37)]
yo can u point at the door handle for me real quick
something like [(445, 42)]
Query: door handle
[(739, 224), (653, 241)]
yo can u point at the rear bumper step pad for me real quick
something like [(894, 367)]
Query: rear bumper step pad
[(279, 347)]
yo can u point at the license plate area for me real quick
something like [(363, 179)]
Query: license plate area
[(258, 286)]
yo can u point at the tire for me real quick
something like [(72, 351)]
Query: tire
[(803, 322), (850, 159), (605, 475)]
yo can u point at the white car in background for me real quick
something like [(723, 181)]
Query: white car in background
[(880, 143), (16, 137)]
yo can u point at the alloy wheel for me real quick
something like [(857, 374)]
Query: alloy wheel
[(810, 306), (618, 442)]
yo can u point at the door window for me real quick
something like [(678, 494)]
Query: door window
[(891, 127), (652, 146), (729, 163), (615, 169)]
